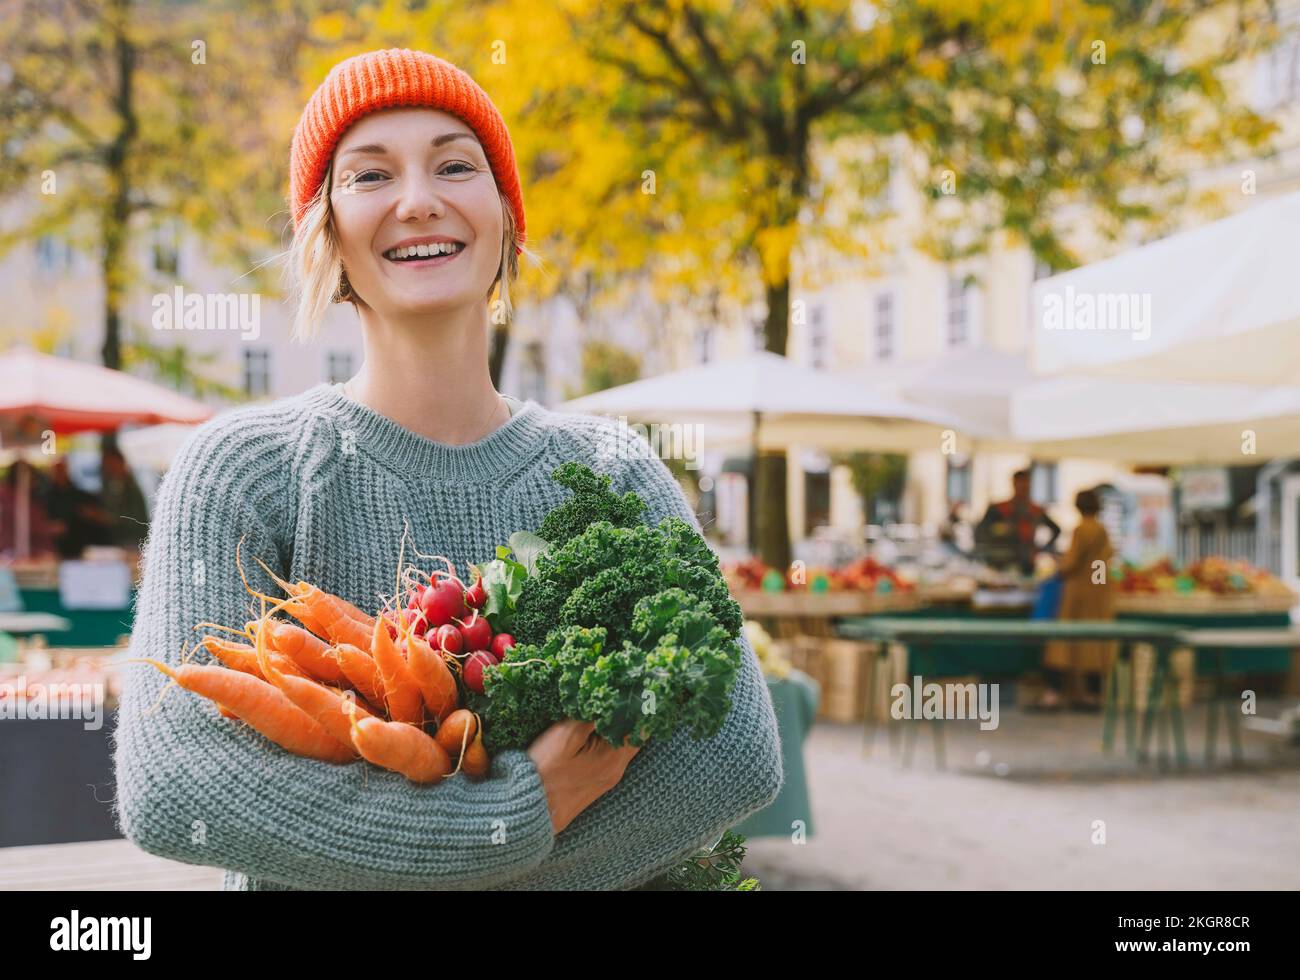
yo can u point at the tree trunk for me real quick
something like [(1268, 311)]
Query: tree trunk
[(116, 218), (771, 519), (497, 353)]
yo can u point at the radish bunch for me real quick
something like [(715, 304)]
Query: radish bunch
[(450, 618)]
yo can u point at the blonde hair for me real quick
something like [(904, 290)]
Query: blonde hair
[(316, 263)]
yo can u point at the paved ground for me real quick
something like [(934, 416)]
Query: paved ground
[(1016, 809)]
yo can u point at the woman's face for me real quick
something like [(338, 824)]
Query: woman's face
[(403, 180)]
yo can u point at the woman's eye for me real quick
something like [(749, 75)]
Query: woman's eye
[(465, 168)]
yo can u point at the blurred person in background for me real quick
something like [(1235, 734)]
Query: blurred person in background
[(1007, 535), (78, 519), (41, 531), (1086, 593), (123, 504)]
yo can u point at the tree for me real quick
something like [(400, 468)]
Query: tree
[(711, 118), (875, 475)]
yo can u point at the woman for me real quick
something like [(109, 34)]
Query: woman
[(1085, 594), (396, 151)]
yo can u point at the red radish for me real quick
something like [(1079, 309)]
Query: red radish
[(443, 602), (415, 615), (476, 632), (500, 644), (476, 595), (474, 666), (448, 639)]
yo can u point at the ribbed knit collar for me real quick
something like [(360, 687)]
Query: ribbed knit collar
[(502, 452)]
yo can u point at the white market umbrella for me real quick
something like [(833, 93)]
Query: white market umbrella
[(972, 384), (155, 446), (776, 403), (1157, 423), (1218, 304)]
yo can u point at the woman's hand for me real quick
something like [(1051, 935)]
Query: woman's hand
[(577, 767)]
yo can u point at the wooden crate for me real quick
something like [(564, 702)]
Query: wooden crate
[(842, 669)]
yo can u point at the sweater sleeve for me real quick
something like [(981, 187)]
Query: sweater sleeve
[(683, 794), (195, 787)]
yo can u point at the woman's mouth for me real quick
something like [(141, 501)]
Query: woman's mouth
[(435, 253)]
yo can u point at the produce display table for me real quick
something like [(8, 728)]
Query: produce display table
[(792, 613), (917, 636), (1239, 645), (86, 627), (795, 702), (1213, 612)]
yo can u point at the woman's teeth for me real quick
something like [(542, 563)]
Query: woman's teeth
[(423, 251)]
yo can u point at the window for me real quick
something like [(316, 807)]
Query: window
[(167, 249), (818, 339), (1042, 483), (338, 366), (884, 326), (53, 255), (816, 501), (704, 344), (1277, 72), (532, 381), (257, 372), (958, 480), (958, 314)]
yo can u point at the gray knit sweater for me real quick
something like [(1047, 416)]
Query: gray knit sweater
[(319, 487)]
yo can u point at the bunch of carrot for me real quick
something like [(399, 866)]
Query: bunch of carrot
[(341, 685)]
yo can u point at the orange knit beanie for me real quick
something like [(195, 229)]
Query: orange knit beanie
[(384, 80)]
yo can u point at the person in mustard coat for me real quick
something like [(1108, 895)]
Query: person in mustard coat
[(1086, 593)]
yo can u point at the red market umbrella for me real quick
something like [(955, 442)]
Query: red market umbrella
[(73, 396), (40, 393)]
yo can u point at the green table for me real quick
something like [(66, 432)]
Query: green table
[(1234, 651), (795, 702), (924, 633), (86, 627)]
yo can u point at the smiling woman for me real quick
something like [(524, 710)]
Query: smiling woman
[(407, 205)]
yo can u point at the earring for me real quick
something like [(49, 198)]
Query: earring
[(344, 292)]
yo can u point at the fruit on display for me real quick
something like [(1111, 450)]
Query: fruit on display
[(864, 575), (1214, 575)]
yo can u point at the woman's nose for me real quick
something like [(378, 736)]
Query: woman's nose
[(419, 199)]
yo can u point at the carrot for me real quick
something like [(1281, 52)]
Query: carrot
[(326, 615), (457, 732), (475, 762), (432, 676), (327, 708), (401, 748), (242, 657), (401, 693), (261, 706), (306, 650), (360, 670)]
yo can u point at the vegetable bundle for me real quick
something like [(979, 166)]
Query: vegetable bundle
[(341, 685), (622, 624), (619, 623)]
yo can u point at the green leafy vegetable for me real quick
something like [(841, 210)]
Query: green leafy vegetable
[(618, 623), (503, 583), (592, 501)]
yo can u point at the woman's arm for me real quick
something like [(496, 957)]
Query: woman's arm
[(680, 795), (199, 788)]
